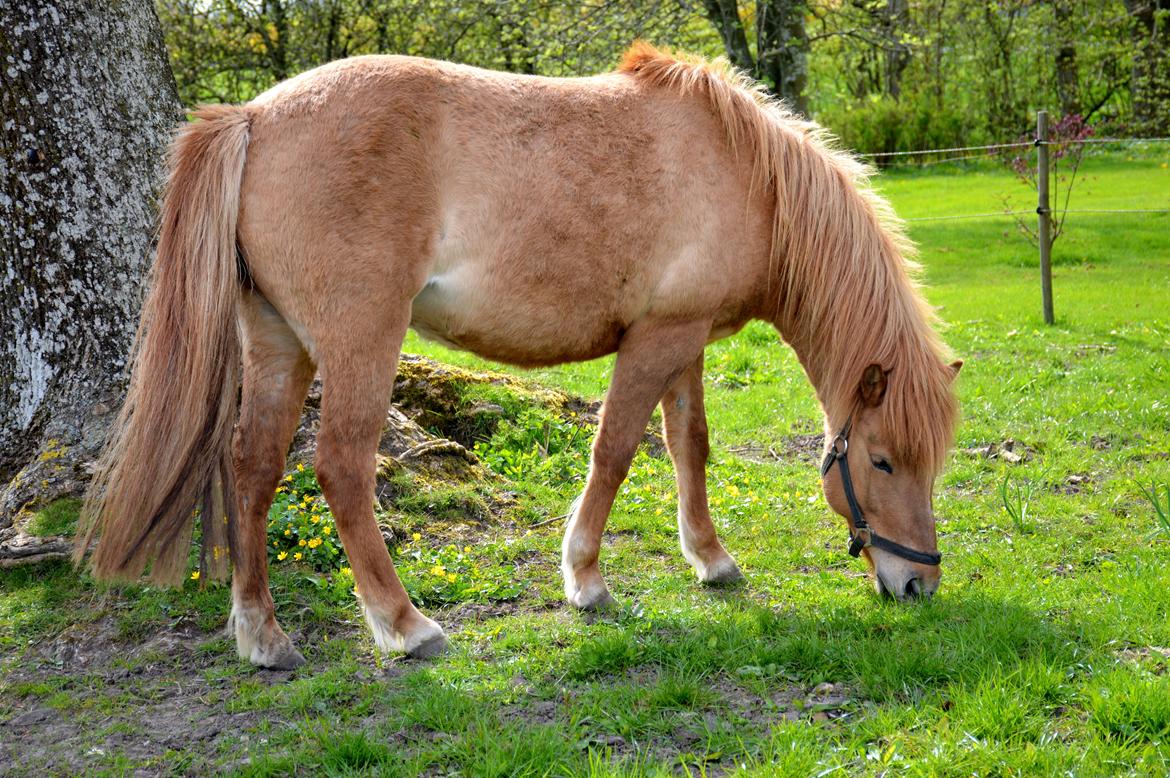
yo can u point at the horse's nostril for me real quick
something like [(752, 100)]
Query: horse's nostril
[(914, 588)]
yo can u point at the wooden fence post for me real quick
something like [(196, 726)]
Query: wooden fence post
[(1045, 214)]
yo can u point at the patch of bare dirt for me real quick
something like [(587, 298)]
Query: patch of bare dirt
[(1074, 483), (1155, 658), (805, 447), (139, 699), (1009, 450)]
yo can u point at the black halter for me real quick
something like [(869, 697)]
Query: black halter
[(862, 534)]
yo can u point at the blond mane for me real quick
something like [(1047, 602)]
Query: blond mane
[(846, 295)]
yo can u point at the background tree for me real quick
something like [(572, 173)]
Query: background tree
[(231, 50), (780, 56), (88, 103), (1151, 65)]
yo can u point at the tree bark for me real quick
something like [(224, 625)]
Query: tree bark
[(86, 111), (781, 58), (1067, 82), (782, 50), (896, 22), (724, 14), (1150, 83)]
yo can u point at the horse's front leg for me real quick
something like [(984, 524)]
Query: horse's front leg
[(684, 423), (650, 358)]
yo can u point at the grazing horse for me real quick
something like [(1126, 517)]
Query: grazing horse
[(533, 221)]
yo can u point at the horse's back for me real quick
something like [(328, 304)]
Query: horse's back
[(537, 216)]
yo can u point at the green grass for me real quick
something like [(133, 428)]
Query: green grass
[(1044, 652)]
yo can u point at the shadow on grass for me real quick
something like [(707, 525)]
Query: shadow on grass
[(884, 650)]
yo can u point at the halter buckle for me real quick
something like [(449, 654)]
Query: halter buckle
[(862, 538)]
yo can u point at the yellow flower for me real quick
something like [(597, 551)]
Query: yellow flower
[(283, 555), (416, 536), (195, 575), (300, 468), (314, 542), (301, 542), (315, 518), (467, 549), (326, 530), (288, 477), (287, 532), (438, 570), (345, 571), (451, 577), (297, 557)]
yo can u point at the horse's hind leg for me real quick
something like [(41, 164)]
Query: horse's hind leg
[(684, 421), (357, 368), (277, 373), (650, 357)]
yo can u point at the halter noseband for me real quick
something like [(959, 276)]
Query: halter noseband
[(862, 535)]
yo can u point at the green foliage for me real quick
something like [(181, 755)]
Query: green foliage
[(301, 526), (537, 446), (1016, 497), (883, 76), (879, 123), (225, 50), (1160, 500), (436, 576)]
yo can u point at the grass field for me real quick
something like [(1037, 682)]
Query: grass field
[(1046, 651)]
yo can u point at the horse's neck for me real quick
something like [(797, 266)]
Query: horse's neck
[(830, 340)]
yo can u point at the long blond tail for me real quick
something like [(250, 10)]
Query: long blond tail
[(169, 448)]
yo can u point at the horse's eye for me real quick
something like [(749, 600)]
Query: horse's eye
[(882, 465)]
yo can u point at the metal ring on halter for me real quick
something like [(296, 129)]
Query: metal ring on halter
[(844, 447)]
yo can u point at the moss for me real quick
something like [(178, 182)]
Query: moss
[(57, 518), (420, 498), (463, 405)]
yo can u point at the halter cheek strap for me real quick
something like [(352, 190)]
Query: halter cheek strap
[(862, 534)]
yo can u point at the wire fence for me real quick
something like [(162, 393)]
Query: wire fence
[(994, 150), (1048, 228)]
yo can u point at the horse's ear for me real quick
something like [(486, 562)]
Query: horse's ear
[(873, 385), (955, 367)]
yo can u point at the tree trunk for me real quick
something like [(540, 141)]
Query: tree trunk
[(782, 50), (724, 14), (1151, 66), (1067, 83), (897, 22), (86, 111), (781, 59)]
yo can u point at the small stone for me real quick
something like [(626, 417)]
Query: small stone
[(31, 718)]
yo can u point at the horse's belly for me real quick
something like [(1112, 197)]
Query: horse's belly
[(508, 325)]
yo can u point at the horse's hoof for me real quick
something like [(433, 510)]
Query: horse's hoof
[(426, 641), (721, 573), (429, 648), (594, 598), (286, 658)]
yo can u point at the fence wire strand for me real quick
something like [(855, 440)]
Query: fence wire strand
[(1029, 213), (986, 152), (947, 151), (997, 146)]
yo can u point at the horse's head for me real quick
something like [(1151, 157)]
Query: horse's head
[(885, 496)]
